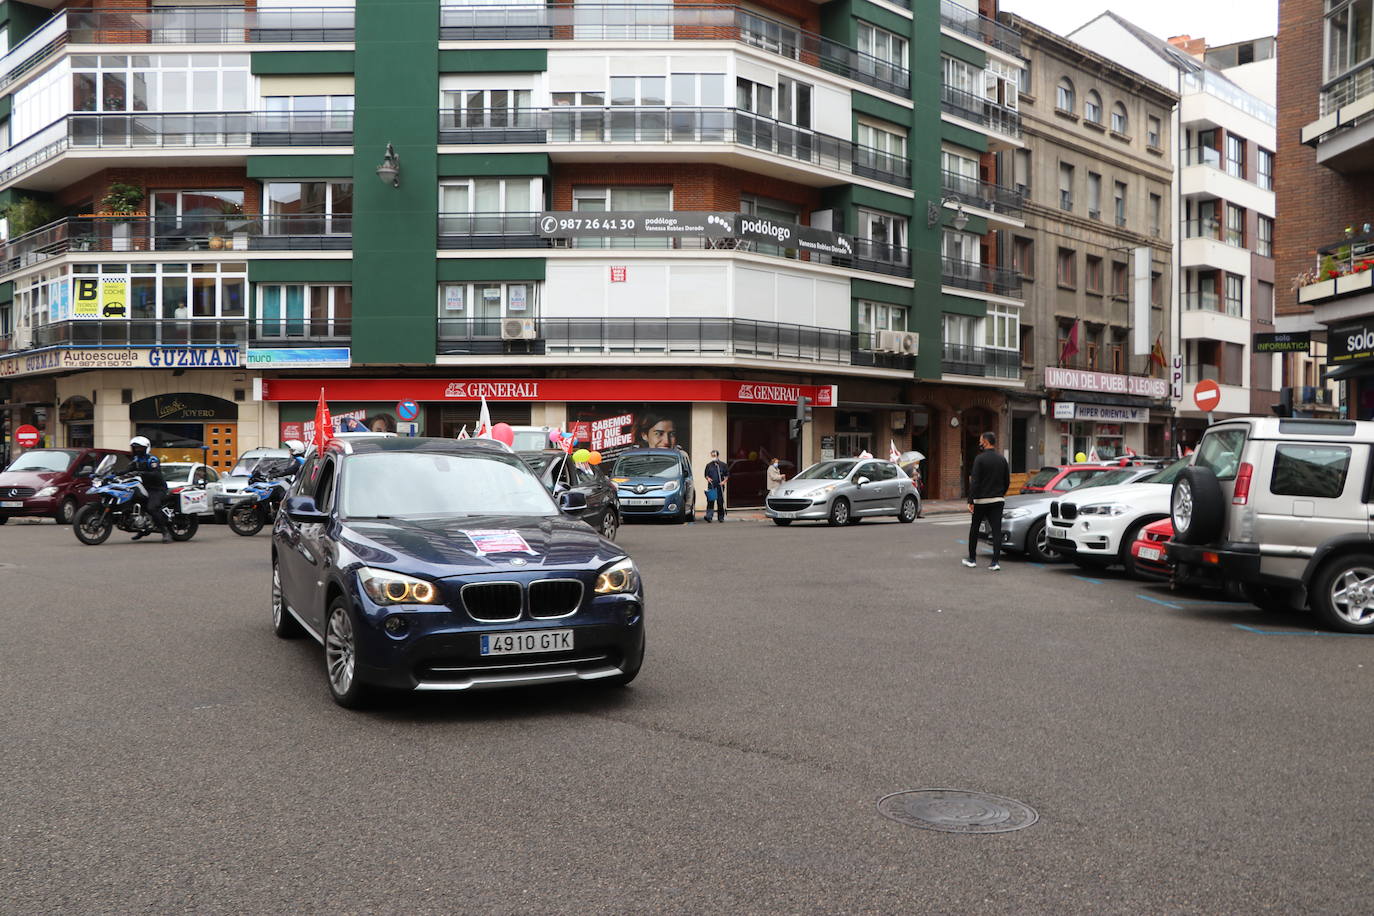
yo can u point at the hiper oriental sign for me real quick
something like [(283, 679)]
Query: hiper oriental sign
[(1082, 380), (653, 391)]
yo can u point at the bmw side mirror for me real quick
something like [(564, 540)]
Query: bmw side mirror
[(573, 502), (302, 509)]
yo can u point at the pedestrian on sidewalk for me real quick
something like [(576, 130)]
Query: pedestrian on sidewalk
[(717, 473), (987, 491), (775, 475)]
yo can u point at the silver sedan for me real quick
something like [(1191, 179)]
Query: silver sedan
[(844, 492)]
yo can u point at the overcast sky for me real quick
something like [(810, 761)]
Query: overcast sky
[(1219, 21)]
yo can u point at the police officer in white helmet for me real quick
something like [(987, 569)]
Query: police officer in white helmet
[(149, 470)]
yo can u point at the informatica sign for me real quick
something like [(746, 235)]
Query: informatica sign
[(693, 224), (64, 360), (651, 391), (1297, 342), (1106, 383)]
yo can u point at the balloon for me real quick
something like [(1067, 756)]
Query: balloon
[(502, 432), (1080, 458), (581, 456), (594, 458), (555, 435)]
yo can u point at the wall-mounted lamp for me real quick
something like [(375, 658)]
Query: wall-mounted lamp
[(390, 169), (933, 213)]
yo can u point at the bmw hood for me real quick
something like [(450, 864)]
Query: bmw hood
[(468, 545), (1122, 492)]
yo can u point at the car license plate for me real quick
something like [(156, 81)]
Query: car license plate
[(784, 514), (13, 505), (1150, 553), (524, 643), (641, 502)]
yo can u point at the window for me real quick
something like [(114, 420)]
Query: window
[(309, 112), (1094, 348), (1023, 257), (1118, 280), (1264, 169), (304, 311), (1118, 363), (1313, 471), (1092, 108), (1027, 346), (1264, 302), (1220, 452), (462, 199), (1235, 156), (1063, 97), (617, 199), (1094, 195), (1119, 201), (476, 309), (878, 316), (1092, 275), (1235, 226), (1153, 139), (1156, 215), (962, 76), (1235, 296), (1119, 122), (886, 53), (160, 82), (882, 236), (1067, 272), (474, 108), (1021, 168), (171, 291), (963, 257), (1203, 292), (1065, 186), (1347, 34), (1023, 78), (1002, 327), (189, 219), (1156, 289), (308, 207), (962, 166), (880, 148)]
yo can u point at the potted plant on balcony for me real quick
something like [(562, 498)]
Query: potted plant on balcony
[(122, 200), (231, 229)]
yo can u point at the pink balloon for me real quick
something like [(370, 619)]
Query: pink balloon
[(555, 435), (502, 432)]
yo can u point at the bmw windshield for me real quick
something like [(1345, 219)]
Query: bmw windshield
[(439, 485), (827, 470)]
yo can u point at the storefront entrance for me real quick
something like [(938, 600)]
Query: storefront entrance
[(78, 422), (756, 435), (189, 427)]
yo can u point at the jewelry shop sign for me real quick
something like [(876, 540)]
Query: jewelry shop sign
[(1083, 380)]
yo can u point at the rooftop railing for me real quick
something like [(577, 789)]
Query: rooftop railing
[(669, 125), (980, 28), (980, 110), (668, 22)]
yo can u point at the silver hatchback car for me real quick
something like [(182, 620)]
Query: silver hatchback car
[(844, 492)]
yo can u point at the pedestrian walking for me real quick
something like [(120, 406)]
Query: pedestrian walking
[(775, 475), (717, 473), (987, 491)]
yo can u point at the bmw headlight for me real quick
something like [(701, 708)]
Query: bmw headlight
[(386, 587), (1015, 513), (46, 491), (1112, 509), (618, 578), (670, 487)]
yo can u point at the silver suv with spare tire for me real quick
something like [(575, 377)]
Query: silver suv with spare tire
[(1282, 506)]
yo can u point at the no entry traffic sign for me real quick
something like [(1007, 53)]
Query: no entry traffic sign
[(1207, 395), (407, 411), (26, 436)]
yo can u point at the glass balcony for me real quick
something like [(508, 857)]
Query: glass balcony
[(980, 362), (143, 333), (661, 22), (670, 125), (980, 110), (1213, 229), (998, 281), (1205, 301), (294, 329), (978, 27), (984, 195)]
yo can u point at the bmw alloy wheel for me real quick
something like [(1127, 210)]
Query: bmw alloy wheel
[(339, 650), (1352, 596), (277, 610)]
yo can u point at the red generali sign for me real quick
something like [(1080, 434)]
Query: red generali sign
[(1207, 395), (660, 391), (26, 437)]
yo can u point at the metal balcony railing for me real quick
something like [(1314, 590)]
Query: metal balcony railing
[(984, 195), (180, 130), (668, 337), (980, 277), (1204, 301), (496, 231), (140, 332), (1213, 229), (202, 232), (289, 330), (980, 110), (1346, 89), (979, 28), (985, 362), (661, 22), (670, 125)]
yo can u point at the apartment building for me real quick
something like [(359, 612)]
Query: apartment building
[(633, 220), (1325, 247), (1096, 254), (1224, 207)]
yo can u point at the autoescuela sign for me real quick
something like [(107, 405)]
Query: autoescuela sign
[(652, 391), (58, 359)]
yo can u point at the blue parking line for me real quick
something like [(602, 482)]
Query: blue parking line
[(1089, 581), (1256, 630), (1177, 607), (965, 543)]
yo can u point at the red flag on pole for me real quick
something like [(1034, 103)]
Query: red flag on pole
[(323, 424), (1070, 345)]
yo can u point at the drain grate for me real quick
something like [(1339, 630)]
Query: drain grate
[(957, 811)]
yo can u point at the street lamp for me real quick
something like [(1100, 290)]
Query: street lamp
[(960, 221), (390, 169)]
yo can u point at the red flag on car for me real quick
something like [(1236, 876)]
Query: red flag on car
[(324, 425)]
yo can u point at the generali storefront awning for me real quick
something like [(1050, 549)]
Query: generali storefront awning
[(663, 391)]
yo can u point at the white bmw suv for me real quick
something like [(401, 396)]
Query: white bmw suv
[(1095, 527)]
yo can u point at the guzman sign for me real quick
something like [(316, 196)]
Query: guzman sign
[(63, 360)]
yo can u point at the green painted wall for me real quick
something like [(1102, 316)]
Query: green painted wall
[(394, 229), (494, 60), (864, 103), (7, 291), (23, 18), (301, 167), (955, 48), (458, 165), (289, 63)]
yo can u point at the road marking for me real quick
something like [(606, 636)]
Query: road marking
[(1248, 629), (1089, 581), (1177, 607)]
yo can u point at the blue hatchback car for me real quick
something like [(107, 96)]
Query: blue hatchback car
[(655, 483), (437, 564)]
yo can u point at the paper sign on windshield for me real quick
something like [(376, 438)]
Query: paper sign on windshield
[(501, 540)]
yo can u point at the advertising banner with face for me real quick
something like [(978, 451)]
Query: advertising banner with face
[(612, 428)]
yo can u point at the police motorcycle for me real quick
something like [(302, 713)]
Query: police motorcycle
[(122, 501), (262, 497)]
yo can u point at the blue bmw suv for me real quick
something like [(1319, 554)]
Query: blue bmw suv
[(437, 564)]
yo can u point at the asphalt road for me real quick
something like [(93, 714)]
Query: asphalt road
[(163, 752)]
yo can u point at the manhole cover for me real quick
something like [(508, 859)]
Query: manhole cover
[(956, 811)]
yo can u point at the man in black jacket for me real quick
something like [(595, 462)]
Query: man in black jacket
[(987, 491)]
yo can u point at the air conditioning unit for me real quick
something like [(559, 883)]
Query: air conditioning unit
[(517, 329), (905, 342)]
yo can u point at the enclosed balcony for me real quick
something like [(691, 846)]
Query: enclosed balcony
[(663, 22), (989, 114), (673, 126)]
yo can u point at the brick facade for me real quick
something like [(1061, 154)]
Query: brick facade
[(222, 178), (695, 187)]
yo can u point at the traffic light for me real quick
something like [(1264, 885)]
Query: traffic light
[(803, 409), (794, 428)]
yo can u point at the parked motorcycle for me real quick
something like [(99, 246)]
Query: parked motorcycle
[(122, 504), (262, 497)]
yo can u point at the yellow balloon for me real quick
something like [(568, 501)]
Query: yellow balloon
[(581, 456), (1080, 458)]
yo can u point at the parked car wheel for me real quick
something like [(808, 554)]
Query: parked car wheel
[(839, 512), (1038, 545), (1344, 594), (1127, 540), (782, 522), (341, 657), (91, 526), (66, 512), (1196, 507), (910, 509), (283, 624), (1267, 597), (610, 524)]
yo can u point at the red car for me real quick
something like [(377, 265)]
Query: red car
[(1058, 479), (51, 482), (1148, 551)]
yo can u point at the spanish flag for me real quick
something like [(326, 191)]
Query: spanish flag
[(1157, 352)]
